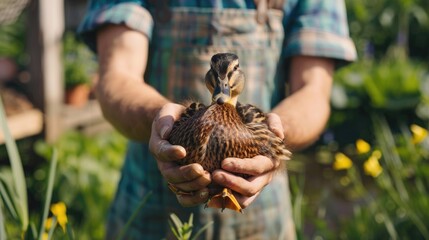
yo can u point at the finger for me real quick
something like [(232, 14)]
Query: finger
[(250, 166), (245, 201), (275, 125), (246, 187), (197, 198), (166, 118), (195, 184), (164, 151), (175, 174)]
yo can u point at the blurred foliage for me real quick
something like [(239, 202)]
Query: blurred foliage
[(79, 61), (87, 175), (352, 202), (389, 84), (375, 26), (13, 41)]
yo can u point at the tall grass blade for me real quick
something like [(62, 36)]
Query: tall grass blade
[(387, 144), (2, 227), (128, 224), (48, 196), (7, 199), (70, 233), (17, 170), (297, 186), (31, 232), (52, 229)]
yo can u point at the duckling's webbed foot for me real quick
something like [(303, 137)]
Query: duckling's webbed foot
[(225, 199)]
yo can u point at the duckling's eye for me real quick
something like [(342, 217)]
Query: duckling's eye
[(236, 67)]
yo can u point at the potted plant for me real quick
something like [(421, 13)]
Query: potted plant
[(79, 68)]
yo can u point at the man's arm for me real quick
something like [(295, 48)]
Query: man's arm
[(133, 107), (127, 102), (306, 111)]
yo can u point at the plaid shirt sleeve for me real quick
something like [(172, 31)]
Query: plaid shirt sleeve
[(318, 28), (133, 14)]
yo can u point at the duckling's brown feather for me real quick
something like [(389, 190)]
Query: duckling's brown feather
[(211, 134)]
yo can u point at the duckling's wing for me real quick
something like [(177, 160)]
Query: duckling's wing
[(250, 114), (189, 112), (255, 120)]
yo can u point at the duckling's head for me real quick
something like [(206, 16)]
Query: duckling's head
[(225, 80)]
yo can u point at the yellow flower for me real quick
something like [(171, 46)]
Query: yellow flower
[(59, 210), (419, 133), (362, 146), (342, 162), (372, 166), (45, 236), (48, 223)]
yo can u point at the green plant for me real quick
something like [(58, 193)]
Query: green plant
[(403, 24), (88, 173), (79, 62), (14, 193), (389, 84), (183, 230), (375, 188), (12, 40)]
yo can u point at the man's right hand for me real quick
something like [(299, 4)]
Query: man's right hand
[(190, 181)]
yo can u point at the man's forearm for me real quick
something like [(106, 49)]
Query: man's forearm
[(304, 116), (129, 105), (306, 111), (127, 102)]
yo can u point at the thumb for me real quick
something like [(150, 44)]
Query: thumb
[(166, 117), (275, 125)]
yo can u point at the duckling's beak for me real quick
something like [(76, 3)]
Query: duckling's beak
[(222, 92)]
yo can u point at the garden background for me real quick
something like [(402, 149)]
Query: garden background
[(367, 176)]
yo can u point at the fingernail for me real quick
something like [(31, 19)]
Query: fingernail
[(278, 132), (204, 194), (164, 132), (226, 164)]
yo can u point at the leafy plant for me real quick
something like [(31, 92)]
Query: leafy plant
[(13, 190), (390, 84), (12, 40), (375, 189), (88, 173), (79, 62), (399, 20), (183, 230)]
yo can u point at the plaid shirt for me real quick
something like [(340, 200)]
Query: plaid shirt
[(180, 52)]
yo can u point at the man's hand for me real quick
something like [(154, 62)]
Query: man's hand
[(260, 168), (191, 179)]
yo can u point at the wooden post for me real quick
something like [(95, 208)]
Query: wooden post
[(46, 67)]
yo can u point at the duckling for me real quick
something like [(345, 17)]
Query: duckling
[(225, 128)]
